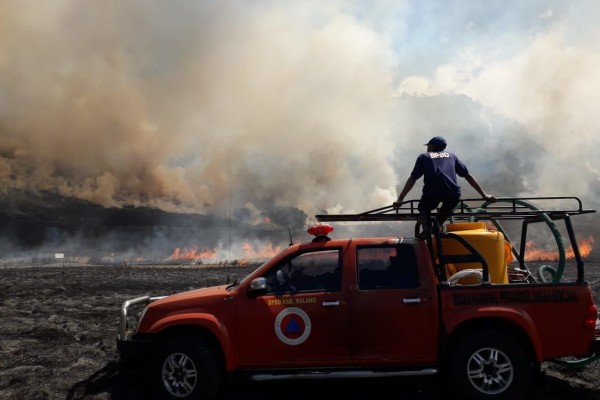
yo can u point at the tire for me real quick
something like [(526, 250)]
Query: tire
[(186, 368), (489, 364)]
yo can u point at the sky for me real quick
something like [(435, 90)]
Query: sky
[(323, 106)]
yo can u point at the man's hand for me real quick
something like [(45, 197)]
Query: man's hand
[(410, 182), (489, 197)]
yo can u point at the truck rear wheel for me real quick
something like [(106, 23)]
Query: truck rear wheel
[(489, 364), (186, 368)]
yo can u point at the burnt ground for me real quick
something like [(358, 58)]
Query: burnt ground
[(58, 339)]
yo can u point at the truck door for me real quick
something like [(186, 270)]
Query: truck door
[(394, 314), (302, 318)]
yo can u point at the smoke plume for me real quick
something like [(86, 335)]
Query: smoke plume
[(204, 107)]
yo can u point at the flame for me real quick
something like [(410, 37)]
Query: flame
[(265, 252), (532, 253), (193, 254)]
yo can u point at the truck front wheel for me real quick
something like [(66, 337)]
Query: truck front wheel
[(489, 364), (186, 368)]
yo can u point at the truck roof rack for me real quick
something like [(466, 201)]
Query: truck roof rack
[(504, 208)]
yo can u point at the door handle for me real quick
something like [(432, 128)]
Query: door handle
[(416, 300), (331, 303)]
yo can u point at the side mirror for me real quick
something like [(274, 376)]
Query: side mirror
[(258, 286)]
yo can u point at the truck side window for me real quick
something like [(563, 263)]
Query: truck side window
[(316, 271), (387, 267)]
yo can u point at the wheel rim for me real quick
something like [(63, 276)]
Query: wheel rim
[(490, 371), (179, 375)]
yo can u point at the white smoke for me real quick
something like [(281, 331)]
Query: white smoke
[(191, 106), (185, 106)]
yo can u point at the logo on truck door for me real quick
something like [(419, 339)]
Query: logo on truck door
[(292, 326)]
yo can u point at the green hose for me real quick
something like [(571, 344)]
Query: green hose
[(577, 363), (556, 274)]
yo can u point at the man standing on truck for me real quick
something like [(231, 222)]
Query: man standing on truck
[(439, 169)]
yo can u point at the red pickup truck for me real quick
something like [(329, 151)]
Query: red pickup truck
[(462, 304)]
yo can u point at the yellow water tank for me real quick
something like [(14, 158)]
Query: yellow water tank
[(489, 243)]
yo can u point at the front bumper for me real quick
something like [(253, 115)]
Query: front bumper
[(124, 329), (129, 342), (135, 347)]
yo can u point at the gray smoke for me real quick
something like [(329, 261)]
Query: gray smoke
[(205, 107)]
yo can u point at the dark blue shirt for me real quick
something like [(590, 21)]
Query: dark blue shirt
[(439, 170)]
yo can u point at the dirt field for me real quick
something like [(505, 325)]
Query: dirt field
[(58, 330)]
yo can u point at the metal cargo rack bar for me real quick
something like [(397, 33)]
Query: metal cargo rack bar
[(504, 208), (470, 209)]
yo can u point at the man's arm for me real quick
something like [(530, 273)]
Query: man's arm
[(410, 182), (473, 182)]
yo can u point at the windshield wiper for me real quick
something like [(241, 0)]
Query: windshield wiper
[(232, 285)]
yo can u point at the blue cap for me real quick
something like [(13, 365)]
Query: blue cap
[(436, 141)]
